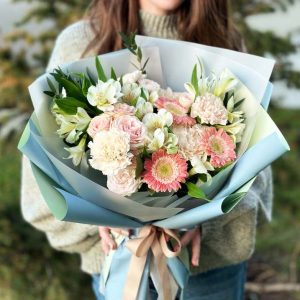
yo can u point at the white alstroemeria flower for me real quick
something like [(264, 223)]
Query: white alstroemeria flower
[(72, 126), (133, 77), (83, 119), (77, 152), (157, 141), (131, 92), (224, 83), (153, 96), (163, 139), (200, 165), (161, 119), (104, 94), (143, 107), (235, 130), (166, 93)]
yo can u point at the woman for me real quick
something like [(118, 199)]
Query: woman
[(226, 242)]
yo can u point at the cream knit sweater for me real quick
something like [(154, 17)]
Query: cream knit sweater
[(226, 240)]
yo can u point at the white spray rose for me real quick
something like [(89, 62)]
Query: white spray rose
[(124, 182)]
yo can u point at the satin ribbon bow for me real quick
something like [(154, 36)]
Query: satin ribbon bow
[(154, 239)]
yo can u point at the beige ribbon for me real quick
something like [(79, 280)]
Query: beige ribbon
[(154, 238)]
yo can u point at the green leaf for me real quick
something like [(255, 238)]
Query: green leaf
[(139, 166), (124, 38), (85, 85), (139, 53), (238, 103), (113, 74), (71, 88), (145, 64), (93, 82), (143, 94), (100, 71), (194, 191), (49, 93), (231, 201), (51, 86), (69, 105), (194, 80)]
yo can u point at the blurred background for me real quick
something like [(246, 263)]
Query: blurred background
[(29, 268)]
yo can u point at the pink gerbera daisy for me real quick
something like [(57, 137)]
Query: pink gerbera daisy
[(178, 111), (164, 172), (218, 145)]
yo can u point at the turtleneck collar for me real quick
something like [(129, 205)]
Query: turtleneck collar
[(158, 26)]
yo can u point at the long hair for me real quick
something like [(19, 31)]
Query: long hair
[(202, 21)]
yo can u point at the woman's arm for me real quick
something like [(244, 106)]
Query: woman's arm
[(70, 237)]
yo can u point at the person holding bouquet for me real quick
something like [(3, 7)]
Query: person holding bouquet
[(226, 243)]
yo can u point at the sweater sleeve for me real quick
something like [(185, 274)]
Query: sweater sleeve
[(65, 236)]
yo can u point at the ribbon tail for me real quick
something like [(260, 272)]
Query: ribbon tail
[(159, 285), (137, 265)]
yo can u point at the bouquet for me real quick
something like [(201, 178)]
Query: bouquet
[(161, 143)]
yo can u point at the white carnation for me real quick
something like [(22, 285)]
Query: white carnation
[(110, 151)]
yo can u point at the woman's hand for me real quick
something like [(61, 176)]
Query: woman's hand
[(192, 236), (107, 242)]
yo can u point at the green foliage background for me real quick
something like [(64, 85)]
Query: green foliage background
[(29, 268)]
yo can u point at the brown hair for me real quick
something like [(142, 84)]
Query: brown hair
[(202, 21)]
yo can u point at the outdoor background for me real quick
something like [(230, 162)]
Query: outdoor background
[(29, 268)]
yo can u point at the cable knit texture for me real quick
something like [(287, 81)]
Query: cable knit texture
[(226, 240)]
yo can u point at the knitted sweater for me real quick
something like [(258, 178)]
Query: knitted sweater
[(226, 240)]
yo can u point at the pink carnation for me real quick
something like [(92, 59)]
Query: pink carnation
[(165, 172), (133, 126), (210, 109), (99, 123), (178, 111), (218, 145)]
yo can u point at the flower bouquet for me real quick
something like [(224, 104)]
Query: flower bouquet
[(173, 137)]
